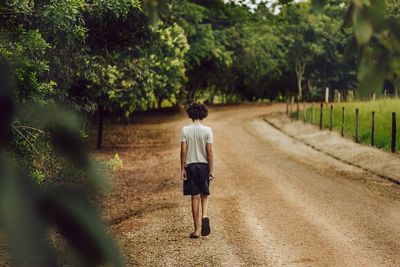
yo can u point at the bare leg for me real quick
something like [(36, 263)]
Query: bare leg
[(204, 206), (196, 213)]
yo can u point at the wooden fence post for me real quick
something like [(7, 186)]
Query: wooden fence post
[(373, 129), (350, 96), (326, 95), (357, 137), (321, 116), (342, 130), (394, 132), (331, 119), (312, 113)]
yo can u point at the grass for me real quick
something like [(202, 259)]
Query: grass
[(383, 117)]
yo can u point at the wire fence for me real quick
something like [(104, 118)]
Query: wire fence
[(360, 123)]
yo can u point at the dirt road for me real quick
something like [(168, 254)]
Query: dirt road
[(275, 202)]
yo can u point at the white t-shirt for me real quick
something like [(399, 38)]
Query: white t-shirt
[(196, 137)]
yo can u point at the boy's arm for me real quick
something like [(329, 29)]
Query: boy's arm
[(183, 160), (210, 160)]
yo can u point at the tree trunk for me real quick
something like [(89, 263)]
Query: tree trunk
[(100, 128), (223, 98), (311, 89), (159, 103), (126, 118), (300, 68), (300, 96), (190, 96), (211, 99)]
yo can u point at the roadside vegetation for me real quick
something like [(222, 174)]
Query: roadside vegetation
[(383, 109)]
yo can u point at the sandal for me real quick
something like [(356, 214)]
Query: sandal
[(205, 227), (193, 236)]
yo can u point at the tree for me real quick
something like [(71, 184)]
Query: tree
[(305, 35), (203, 23)]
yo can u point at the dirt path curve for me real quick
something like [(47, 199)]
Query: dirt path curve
[(275, 202)]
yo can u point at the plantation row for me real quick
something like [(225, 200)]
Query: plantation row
[(374, 120)]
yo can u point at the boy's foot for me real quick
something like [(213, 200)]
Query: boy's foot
[(194, 236), (205, 227)]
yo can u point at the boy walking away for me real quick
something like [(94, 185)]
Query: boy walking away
[(197, 166)]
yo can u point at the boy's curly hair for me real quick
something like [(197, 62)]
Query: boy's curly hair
[(197, 111)]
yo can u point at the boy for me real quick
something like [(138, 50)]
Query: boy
[(197, 165)]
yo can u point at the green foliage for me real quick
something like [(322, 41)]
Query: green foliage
[(159, 73), (318, 5), (315, 43), (209, 54), (377, 32), (264, 52), (25, 50), (168, 62), (38, 176), (113, 164)]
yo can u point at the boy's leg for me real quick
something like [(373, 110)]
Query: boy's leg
[(205, 222), (204, 205), (196, 213)]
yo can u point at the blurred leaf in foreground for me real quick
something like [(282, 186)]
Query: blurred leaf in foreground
[(362, 26), (29, 210), (376, 42)]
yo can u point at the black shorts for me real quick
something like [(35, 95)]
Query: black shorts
[(198, 179)]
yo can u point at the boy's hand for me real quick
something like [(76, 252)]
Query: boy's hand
[(211, 176), (183, 175)]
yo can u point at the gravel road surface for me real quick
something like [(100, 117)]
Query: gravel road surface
[(274, 202)]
